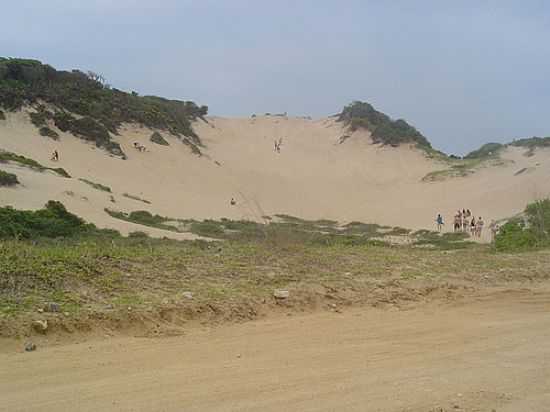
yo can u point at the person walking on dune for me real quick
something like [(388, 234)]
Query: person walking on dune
[(439, 221), (457, 222), (55, 156)]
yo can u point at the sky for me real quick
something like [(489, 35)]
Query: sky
[(462, 72)]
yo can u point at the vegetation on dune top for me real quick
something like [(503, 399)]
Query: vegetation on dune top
[(33, 164), (102, 109), (361, 115), (485, 151)]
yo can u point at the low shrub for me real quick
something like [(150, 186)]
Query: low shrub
[(51, 221), (8, 179), (157, 138), (47, 132)]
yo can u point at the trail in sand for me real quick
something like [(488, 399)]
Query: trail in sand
[(484, 354)]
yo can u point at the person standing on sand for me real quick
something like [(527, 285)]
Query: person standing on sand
[(494, 230), (479, 227), (457, 222), (439, 221), (55, 156), (473, 226)]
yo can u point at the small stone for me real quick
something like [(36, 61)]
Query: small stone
[(281, 294), (30, 347), (187, 295), (40, 326), (52, 307), (40, 310)]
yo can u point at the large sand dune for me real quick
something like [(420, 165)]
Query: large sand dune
[(314, 176)]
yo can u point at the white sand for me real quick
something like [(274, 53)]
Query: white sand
[(313, 177)]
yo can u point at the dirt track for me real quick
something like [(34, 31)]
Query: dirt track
[(479, 355)]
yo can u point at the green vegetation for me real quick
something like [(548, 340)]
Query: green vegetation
[(2, 115), (485, 151), (97, 186), (443, 241), (33, 164), (8, 179), (361, 115), (102, 109), (530, 231), (139, 199), (157, 138), (531, 144), (52, 221)]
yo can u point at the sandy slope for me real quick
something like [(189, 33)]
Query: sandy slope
[(480, 355), (313, 176)]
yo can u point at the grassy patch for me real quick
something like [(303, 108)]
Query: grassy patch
[(97, 186), (33, 164), (129, 196)]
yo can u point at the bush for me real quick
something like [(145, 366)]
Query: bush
[(33, 164), (2, 115), (157, 138), (97, 186), (52, 221), (528, 232), (8, 179), (487, 150), (47, 132), (361, 115)]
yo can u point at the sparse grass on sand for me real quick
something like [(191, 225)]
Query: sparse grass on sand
[(97, 186), (33, 164)]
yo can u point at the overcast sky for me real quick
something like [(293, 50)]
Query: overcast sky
[(462, 72)]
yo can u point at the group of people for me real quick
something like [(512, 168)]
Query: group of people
[(464, 221), (278, 145)]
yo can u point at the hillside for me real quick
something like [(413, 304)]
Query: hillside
[(140, 153)]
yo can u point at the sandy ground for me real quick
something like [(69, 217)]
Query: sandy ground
[(314, 177), (487, 353)]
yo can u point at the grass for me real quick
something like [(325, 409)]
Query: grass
[(129, 196), (33, 164), (87, 272), (97, 186), (464, 167)]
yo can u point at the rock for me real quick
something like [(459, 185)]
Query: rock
[(40, 326), (30, 347), (281, 294), (187, 295), (52, 307)]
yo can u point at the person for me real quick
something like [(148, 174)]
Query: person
[(479, 226), (457, 223), (468, 213), (439, 221), (233, 201), (55, 156), (473, 226), (494, 230)]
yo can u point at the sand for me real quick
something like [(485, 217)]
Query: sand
[(313, 177), (482, 354)]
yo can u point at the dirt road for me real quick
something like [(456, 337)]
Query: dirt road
[(485, 354)]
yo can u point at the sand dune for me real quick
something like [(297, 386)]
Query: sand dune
[(313, 177)]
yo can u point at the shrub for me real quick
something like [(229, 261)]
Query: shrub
[(2, 115), (157, 138), (47, 132), (8, 179), (24, 161), (361, 115), (487, 150), (97, 186), (529, 232), (52, 221)]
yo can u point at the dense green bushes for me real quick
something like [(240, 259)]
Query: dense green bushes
[(8, 179), (361, 115), (25, 82), (528, 232), (52, 221)]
